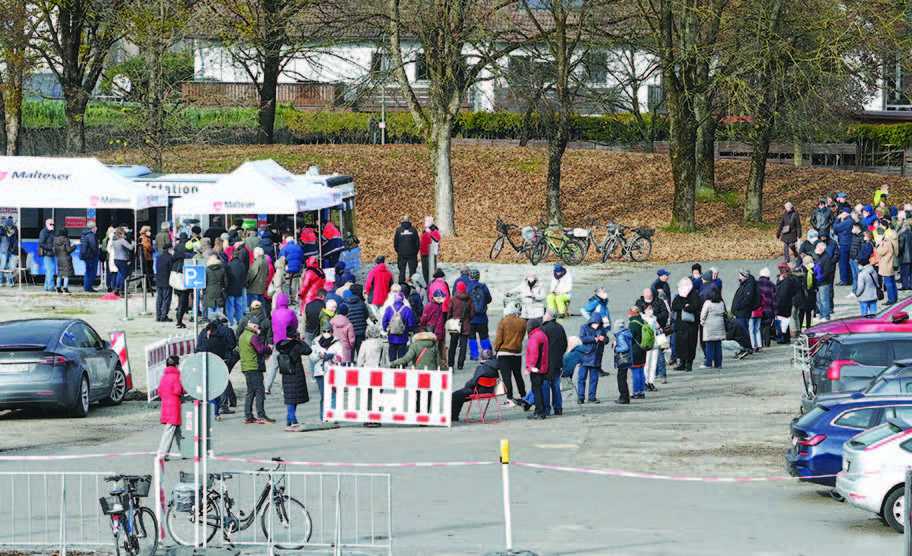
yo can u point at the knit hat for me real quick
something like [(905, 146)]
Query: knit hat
[(744, 272), (864, 261), (783, 267), (696, 266), (813, 235), (380, 260), (764, 272), (532, 324), (663, 272), (342, 310), (461, 287), (439, 273)]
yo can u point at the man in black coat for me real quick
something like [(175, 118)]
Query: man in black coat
[(661, 283), (659, 309), (219, 339), (312, 316), (557, 347), (89, 252), (747, 298), (406, 242), (163, 285), (357, 315), (235, 281), (487, 368)]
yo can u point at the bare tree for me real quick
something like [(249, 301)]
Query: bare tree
[(17, 59), (262, 37), (632, 68), (74, 38), (457, 39)]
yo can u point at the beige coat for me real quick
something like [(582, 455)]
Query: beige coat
[(886, 251)]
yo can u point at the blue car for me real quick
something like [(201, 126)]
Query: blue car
[(818, 436)]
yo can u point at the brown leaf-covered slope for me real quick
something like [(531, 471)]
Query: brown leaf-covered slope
[(492, 182)]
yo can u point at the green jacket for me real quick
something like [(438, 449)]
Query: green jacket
[(252, 351), (422, 342)]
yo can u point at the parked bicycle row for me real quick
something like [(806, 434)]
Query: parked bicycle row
[(572, 245)]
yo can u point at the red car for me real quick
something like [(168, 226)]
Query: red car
[(894, 318)]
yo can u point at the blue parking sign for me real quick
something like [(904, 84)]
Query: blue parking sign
[(194, 277)]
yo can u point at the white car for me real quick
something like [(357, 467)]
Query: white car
[(874, 470)]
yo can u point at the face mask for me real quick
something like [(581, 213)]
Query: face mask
[(531, 282), (327, 335)]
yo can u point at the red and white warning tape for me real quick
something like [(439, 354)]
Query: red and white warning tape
[(655, 476), (69, 457), (258, 461)]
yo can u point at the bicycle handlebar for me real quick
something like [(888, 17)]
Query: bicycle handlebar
[(127, 478)]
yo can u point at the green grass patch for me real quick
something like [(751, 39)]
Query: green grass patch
[(732, 199), (530, 165), (676, 229)]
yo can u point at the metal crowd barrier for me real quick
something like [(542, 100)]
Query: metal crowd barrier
[(53, 509)]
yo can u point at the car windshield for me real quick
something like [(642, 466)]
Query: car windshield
[(875, 435), (809, 418), (884, 385), (27, 333)]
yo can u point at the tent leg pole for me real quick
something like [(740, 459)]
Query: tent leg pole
[(320, 237), (19, 247)]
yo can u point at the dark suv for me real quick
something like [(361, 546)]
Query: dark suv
[(848, 363)]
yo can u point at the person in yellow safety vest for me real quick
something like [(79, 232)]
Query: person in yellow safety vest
[(881, 194)]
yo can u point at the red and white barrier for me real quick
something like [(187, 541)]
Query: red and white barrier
[(119, 345), (156, 355), (394, 396)]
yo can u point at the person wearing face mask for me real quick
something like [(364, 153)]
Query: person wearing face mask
[(325, 351), (531, 297), (592, 336), (558, 299), (696, 275), (597, 305)]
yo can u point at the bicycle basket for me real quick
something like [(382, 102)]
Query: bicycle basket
[(645, 232), (580, 232), (110, 505), (142, 485), (529, 233), (183, 497)]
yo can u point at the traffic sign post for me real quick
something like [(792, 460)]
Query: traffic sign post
[(195, 279)]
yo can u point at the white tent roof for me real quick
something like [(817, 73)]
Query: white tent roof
[(260, 187), (39, 182)]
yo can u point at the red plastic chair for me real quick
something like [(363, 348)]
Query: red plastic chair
[(487, 398)]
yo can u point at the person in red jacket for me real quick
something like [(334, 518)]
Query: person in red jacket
[(439, 284), (378, 283), (428, 248), (537, 364), (313, 281), (434, 318), (170, 391)]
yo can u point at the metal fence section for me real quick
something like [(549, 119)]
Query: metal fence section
[(53, 509), (287, 510)]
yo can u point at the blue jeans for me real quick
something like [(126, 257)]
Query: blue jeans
[(854, 266), (291, 417), (713, 353), (91, 271), (212, 311), (235, 308), (868, 307), (674, 349), (889, 283), (825, 300), (121, 278), (639, 380), (8, 262), (551, 393), (661, 369), (845, 270), (756, 339), (50, 269), (593, 373), (905, 275)]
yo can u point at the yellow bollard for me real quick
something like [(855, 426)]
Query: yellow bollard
[(505, 477)]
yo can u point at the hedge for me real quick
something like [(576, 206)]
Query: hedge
[(356, 127), (897, 135)]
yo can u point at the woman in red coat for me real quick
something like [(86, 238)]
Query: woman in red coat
[(313, 281), (434, 319), (537, 365), (170, 391)]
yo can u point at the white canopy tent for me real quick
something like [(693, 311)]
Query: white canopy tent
[(260, 187), (57, 183)]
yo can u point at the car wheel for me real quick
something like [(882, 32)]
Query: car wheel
[(118, 388), (79, 406), (893, 509)]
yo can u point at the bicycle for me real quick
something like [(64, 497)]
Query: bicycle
[(505, 234), (560, 243), (134, 526), (181, 520), (636, 249)]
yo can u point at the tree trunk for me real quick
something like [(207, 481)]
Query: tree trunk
[(753, 193), (440, 147), (525, 132), (797, 154), (557, 145), (156, 131), (266, 111), (76, 101), (705, 146), (2, 118), (681, 138)]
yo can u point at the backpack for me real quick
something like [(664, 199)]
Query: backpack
[(647, 337), (285, 363), (479, 299), (821, 218), (622, 341), (397, 323)]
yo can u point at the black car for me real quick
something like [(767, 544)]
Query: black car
[(57, 364), (845, 364)]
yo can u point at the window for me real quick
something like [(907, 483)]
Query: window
[(809, 418), (869, 353), (70, 337), (902, 412), (655, 97), (379, 62), (884, 385), (596, 66), (874, 435), (902, 350), (78, 335), (858, 419), (907, 445), (93, 340), (421, 67)]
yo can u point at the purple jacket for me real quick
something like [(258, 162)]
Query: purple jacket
[(282, 318), (407, 316)]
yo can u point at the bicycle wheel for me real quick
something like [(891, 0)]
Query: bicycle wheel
[(538, 252), (572, 253), (608, 250), (291, 523), (145, 532), (640, 249), (498, 245), (181, 525)]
